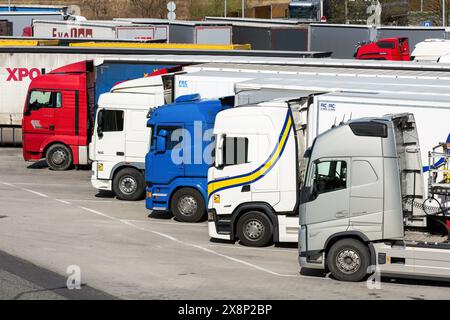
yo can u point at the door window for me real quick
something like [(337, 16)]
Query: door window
[(235, 151), (174, 136), (44, 99), (330, 176), (112, 120)]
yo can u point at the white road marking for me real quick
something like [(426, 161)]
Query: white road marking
[(86, 200), (45, 184), (178, 224), (63, 201), (99, 213), (35, 192)]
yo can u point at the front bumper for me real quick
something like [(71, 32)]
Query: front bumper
[(219, 226), (100, 184), (312, 260)]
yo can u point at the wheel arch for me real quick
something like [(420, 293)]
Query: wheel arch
[(196, 187), (262, 207), (357, 235), (122, 165), (52, 143)]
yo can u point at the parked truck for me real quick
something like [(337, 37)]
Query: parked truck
[(394, 49), (179, 157), (254, 197), (355, 203), (118, 153), (58, 115)]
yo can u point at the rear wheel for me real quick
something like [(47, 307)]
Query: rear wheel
[(128, 184), (348, 260), (59, 157), (254, 229), (188, 205)]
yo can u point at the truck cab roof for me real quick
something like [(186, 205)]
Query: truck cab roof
[(147, 85)]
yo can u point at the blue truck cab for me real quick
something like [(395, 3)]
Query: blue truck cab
[(182, 146)]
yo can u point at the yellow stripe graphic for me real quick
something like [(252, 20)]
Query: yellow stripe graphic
[(214, 186)]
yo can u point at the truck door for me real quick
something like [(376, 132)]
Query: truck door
[(110, 142), (169, 163), (327, 211), (236, 154), (66, 122), (39, 118)]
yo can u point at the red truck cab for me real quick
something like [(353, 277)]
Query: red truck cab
[(58, 116), (396, 49)]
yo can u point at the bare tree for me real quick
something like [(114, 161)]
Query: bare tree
[(98, 8), (150, 8)]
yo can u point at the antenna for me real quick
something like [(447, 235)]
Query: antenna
[(343, 119), (334, 124)]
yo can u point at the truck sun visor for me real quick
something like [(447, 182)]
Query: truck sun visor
[(369, 129)]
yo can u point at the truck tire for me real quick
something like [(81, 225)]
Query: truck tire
[(129, 185), (188, 205), (254, 229), (348, 260), (59, 157)]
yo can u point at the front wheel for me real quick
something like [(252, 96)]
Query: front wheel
[(59, 157), (188, 205), (128, 184), (254, 229), (348, 260)]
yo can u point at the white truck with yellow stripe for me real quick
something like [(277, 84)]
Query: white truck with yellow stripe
[(251, 195), (254, 185)]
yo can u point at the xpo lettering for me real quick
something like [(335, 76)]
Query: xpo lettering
[(18, 74)]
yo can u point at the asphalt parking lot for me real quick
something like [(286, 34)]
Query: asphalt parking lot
[(53, 220)]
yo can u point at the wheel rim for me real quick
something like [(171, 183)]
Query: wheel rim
[(348, 261), (253, 229), (187, 205), (128, 185), (59, 157)]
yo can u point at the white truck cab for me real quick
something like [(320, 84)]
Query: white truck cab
[(253, 185), (121, 137)]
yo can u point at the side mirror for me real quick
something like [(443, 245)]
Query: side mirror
[(161, 140), (100, 124), (314, 190), (219, 162), (99, 131)]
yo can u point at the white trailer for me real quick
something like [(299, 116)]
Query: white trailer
[(102, 30), (431, 50), (254, 196)]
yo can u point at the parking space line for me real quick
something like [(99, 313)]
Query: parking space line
[(181, 224), (86, 200), (35, 192)]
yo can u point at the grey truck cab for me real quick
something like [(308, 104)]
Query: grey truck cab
[(361, 191)]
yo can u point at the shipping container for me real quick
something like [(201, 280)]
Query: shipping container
[(23, 19), (103, 30), (197, 32), (340, 39)]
